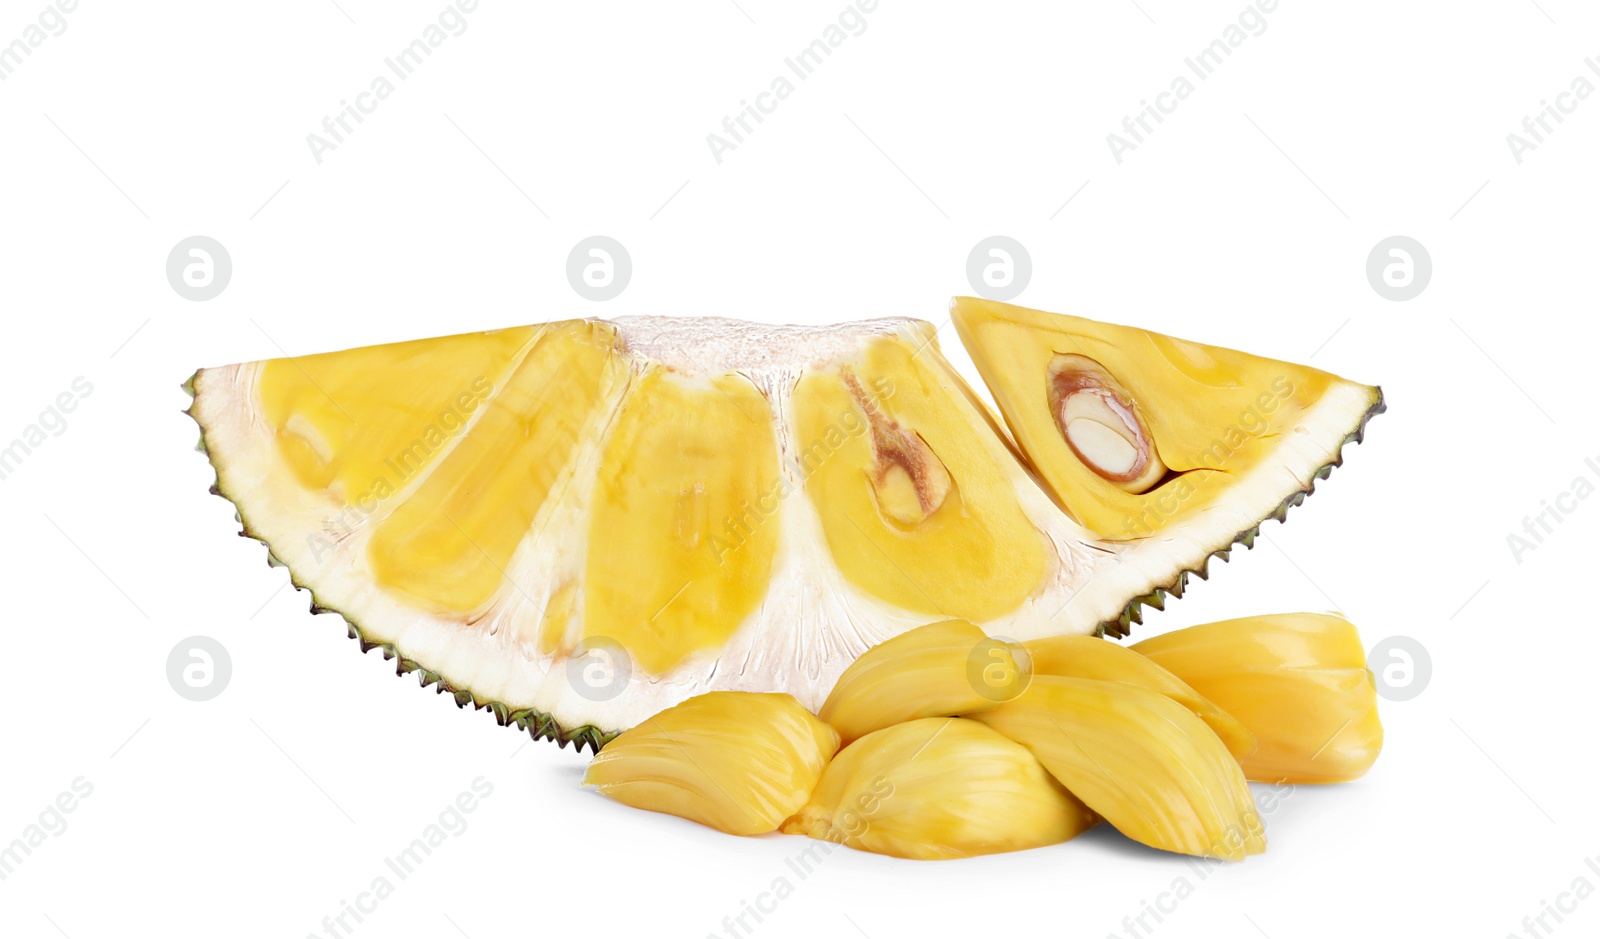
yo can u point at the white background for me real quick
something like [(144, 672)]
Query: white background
[(1244, 220)]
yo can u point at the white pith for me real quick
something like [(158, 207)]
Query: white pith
[(812, 622)]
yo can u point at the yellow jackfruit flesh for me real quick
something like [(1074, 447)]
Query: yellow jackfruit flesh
[(1093, 657), (939, 788), (1139, 759), (1069, 730), (1137, 433), (920, 511), (1298, 681), (579, 524), (938, 670), (738, 762), (655, 579), (691, 496)]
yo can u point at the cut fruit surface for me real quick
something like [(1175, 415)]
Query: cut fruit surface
[(666, 576), (582, 523), (1138, 434), (448, 542), (936, 525)]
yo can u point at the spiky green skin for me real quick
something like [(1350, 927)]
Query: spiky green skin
[(543, 726), (538, 724), (1122, 625)]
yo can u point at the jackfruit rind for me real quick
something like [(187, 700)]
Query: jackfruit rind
[(514, 654), (1133, 613), (1242, 437), (739, 762), (939, 788)]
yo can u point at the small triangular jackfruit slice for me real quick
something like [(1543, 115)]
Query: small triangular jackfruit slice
[(1137, 434)]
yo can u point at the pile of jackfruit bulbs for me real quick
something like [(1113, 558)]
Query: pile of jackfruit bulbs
[(943, 742)]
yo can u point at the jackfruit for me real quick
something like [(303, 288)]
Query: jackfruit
[(1299, 681), (939, 788), (938, 670), (1093, 657), (1139, 435), (707, 504), (739, 762), (1140, 760)]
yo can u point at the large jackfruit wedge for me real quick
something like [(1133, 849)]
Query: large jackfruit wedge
[(582, 523)]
